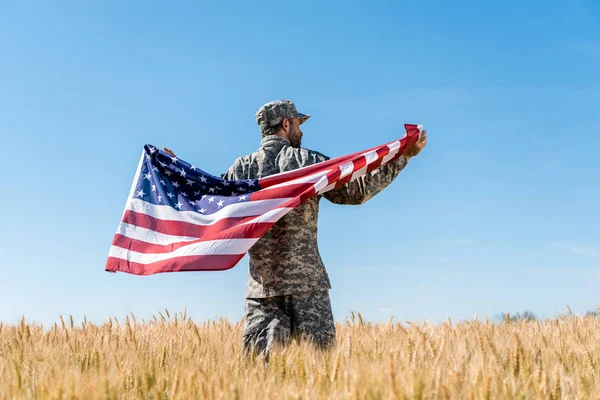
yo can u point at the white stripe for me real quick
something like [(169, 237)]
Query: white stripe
[(346, 168), (394, 148), (217, 247), (242, 209), (271, 216), (153, 237), (150, 236), (314, 178)]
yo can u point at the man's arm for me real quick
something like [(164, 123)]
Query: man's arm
[(364, 188)]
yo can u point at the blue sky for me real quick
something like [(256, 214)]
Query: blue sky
[(499, 213)]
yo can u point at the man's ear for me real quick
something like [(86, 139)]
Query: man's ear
[(285, 124)]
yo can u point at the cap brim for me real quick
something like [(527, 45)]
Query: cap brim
[(302, 117)]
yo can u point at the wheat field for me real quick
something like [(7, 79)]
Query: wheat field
[(171, 357)]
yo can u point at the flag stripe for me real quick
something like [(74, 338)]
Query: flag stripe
[(210, 262), (223, 246), (156, 231), (241, 209)]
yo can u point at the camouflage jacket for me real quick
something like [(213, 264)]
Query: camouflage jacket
[(286, 259)]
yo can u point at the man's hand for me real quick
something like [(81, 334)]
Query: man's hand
[(418, 146), (169, 152)]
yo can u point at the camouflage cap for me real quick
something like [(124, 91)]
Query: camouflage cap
[(274, 112)]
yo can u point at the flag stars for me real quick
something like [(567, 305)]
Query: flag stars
[(203, 179), (212, 190), (162, 164), (173, 160), (163, 182), (178, 205), (154, 169), (159, 198), (189, 182), (211, 199), (140, 193), (154, 188), (192, 203), (182, 172), (168, 173), (171, 195), (148, 176), (220, 203), (176, 184), (193, 168), (242, 197), (202, 210), (251, 183)]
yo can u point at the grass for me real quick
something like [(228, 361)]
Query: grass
[(171, 357)]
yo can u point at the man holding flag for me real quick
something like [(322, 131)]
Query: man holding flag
[(180, 218), (287, 291)]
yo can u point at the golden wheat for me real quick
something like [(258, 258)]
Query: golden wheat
[(173, 358)]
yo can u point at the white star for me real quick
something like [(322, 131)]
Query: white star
[(173, 160), (220, 203), (140, 193), (148, 176), (170, 195), (192, 202), (163, 182), (211, 199), (212, 190), (234, 194), (169, 173), (243, 197), (225, 183), (203, 179), (152, 149), (184, 194), (202, 210), (154, 188), (159, 198), (197, 193), (203, 196), (154, 169), (162, 164), (251, 183), (178, 205), (189, 182), (148, 156), (193, 168), (182, 172), (175, 184)]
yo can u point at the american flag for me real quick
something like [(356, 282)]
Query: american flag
[(180, 218)]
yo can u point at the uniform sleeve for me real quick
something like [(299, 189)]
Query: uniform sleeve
[(364, 188)]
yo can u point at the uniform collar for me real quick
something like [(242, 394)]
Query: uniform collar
[(273, 141)]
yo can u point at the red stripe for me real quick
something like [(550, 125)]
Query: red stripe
[(180, 228), (290, 191), (178, 264)]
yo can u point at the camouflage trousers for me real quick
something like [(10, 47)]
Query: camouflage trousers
[(273, 321)]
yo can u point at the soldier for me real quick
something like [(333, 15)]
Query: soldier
[(287, 292)]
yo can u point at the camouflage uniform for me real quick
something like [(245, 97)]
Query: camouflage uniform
[(287, 291)]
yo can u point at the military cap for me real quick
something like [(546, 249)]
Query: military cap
[(274, 112)]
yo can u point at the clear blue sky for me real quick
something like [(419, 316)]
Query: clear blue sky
[(499, 213)]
